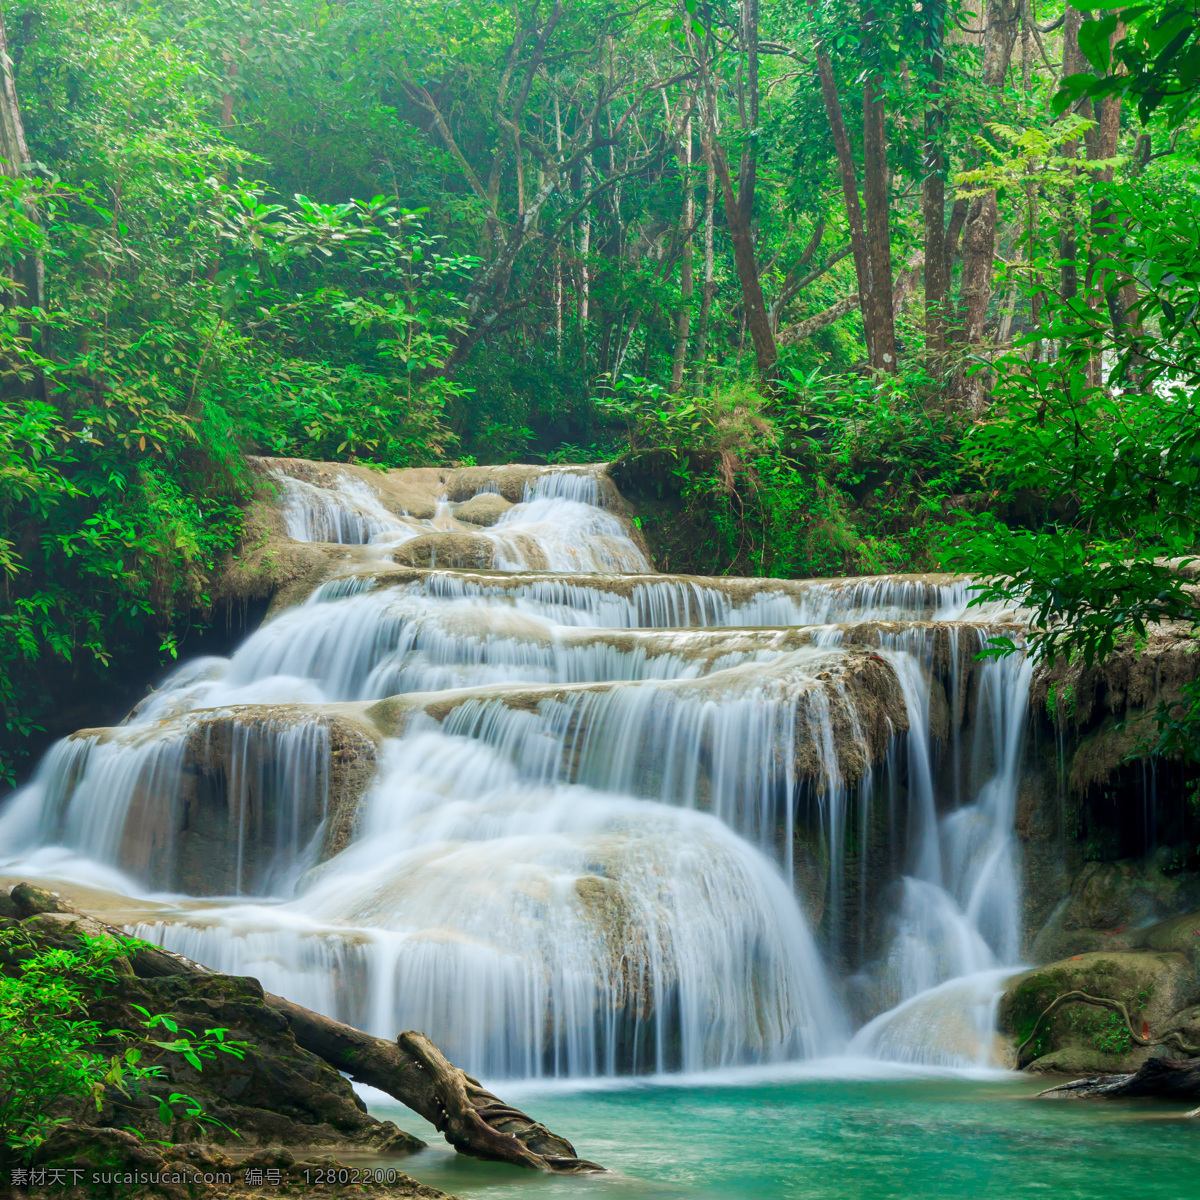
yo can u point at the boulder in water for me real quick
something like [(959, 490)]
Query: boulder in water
[(486, 508), (1096, 1012)]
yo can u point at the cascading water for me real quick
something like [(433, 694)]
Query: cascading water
[(560, 819)]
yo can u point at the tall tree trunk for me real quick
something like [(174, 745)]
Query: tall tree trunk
[(854, 217), (1073, 63), (875, 202), (558, 271), (709, 285), (585, 246), (27, 271), (933, 194), (1101, 146), (741, 234), (979, 240), (683, 320), (739, 204)]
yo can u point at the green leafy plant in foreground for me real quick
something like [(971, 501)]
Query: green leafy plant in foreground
[(49, 1042)]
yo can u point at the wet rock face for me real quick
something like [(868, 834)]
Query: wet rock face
[(464, 551), (249, 814), (415, 491), (1114, 905), (515, 481), (226, 801)]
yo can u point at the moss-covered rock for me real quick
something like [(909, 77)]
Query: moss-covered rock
[(1153, 986)]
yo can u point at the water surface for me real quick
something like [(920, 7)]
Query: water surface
[(838, 1139)]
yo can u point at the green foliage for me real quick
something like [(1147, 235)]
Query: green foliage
[(1156, 63), (1108, 475), (45, 1033), (190, 316), (1108, 1033), (49, 1044)]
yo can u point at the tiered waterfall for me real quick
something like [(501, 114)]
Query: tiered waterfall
[(495, 779)]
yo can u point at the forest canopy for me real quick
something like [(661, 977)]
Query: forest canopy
[(864, 286)]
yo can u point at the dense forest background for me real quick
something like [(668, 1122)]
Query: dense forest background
[(847, 287)]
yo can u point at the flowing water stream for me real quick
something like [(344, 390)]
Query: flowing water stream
[(570, 817)]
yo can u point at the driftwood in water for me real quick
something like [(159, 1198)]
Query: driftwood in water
[(414, 1070), (411, 1069), (1164, 1078)]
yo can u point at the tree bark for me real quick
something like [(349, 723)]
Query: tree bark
[(1073, 63), (739, 204), (933, 195), (854, 217), (709, 285), (683, 319), (875, 202), (741, 234), (805, 329), (958, 218), (979, 240), (416, 1073)]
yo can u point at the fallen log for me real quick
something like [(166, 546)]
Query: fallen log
[(411, 1069), (1162, 1078), (415, 1072)]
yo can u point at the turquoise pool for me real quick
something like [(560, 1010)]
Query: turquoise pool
[(836, 1139)]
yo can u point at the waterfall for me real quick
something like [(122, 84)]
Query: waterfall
[(567, 815)]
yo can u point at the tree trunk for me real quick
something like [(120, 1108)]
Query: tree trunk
[(739, 204), (979, 240), (1073, 63), (879, 241), (709, 287), (28, 273), (933, 197), (416, 1073), (737, 219), (683, 320), (585, 245), (1102, 145), (805, 329), (854, 217), (958, 218), (979, 249)]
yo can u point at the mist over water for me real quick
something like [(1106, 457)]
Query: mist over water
[(610, 822)]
